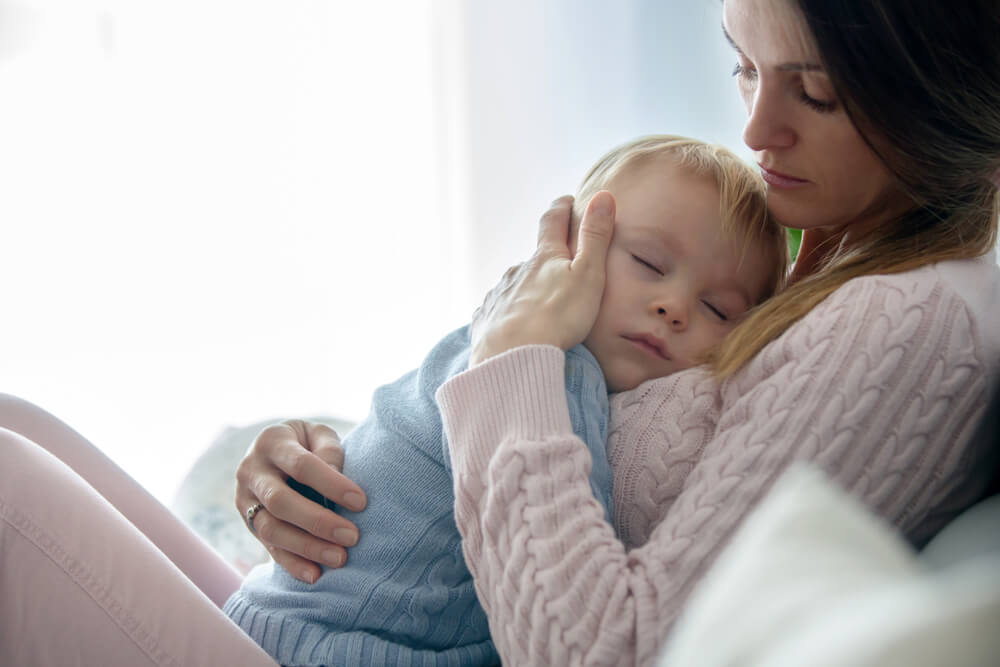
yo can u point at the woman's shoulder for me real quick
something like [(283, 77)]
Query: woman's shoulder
[(956, 294), (975, 281), (944, 315)]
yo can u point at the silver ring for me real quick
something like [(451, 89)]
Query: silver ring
[(251, 513)]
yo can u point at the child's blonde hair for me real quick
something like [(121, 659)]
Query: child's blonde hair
[(742, 202)]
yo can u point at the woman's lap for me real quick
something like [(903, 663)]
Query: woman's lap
[(80, 584)]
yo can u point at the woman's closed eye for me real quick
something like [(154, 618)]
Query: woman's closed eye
[(748, 75), (744, 74), (817, 105), (648, 265)]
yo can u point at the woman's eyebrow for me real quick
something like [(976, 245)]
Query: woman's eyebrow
[(785, 67), (800, 67), (732, 42)]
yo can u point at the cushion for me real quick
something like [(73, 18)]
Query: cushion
[(974, 533), (813, 578)]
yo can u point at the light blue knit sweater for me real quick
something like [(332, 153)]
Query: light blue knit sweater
[(405, 596)]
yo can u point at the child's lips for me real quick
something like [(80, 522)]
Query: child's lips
[(651, 344)]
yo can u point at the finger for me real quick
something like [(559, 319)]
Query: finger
[(324, 442), (284, 503), (302, 569), (308, 468), (596, 230), (280, 536), (297, 566), (553, 228)]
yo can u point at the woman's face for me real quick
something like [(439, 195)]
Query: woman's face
[(820, 171)]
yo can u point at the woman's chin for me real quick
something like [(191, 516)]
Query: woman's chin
[(795, 214)]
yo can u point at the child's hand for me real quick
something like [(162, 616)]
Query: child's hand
[(554, 297), (298, 532)]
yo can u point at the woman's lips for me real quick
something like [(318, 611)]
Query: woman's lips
[(650, 344), (779, 180)]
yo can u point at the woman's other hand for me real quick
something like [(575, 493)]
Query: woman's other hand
[(298, 533), (553, 298)]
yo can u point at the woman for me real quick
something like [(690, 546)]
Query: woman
[(877, 128), (880, 140)]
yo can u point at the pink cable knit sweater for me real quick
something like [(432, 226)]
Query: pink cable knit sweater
[(883, 385)]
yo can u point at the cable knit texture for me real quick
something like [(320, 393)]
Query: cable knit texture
[(405, 595), (883, 386)]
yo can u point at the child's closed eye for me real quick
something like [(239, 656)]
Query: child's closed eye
[(648, 265), (717, 312)]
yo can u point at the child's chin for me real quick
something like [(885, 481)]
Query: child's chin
[(619, 384)]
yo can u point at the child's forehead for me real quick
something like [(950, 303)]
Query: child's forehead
[(642, 164), (668, 189), (668, 176)]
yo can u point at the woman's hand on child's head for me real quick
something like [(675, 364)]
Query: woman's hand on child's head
[(299, 534), (554, 297)]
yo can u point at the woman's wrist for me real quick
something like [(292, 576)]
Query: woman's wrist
[(495, 344), (519, 394)]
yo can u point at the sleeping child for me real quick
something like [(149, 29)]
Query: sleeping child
[(693, 250)]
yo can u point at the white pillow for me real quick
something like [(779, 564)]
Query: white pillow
[(974, 532), (813, 578)]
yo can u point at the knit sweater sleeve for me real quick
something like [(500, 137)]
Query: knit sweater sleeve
[(880, 385)]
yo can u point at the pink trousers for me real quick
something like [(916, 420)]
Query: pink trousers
[(93, 569)]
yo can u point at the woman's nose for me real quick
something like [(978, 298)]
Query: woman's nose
[(767, 125)]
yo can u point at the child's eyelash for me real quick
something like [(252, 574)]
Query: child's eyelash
[(718, 313), (646, 264)]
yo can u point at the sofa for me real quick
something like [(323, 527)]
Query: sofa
[(812, 577)]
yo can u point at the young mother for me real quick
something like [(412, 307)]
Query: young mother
[(877, 127)]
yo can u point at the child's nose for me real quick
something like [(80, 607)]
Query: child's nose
[(673, 311)]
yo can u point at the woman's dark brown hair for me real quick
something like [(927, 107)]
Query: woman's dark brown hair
[(920, 79)]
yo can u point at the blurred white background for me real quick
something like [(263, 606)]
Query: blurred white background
[(219, 211)]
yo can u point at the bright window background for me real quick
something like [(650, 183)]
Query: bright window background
[(216, 211)]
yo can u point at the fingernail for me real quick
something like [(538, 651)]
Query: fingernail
[(353, 500), (345, 536), (307, 576), (601, 203), (333, 558)]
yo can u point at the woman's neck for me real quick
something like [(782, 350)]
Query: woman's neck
[(816, 245), (822, 243)]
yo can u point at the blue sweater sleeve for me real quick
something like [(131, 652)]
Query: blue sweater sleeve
[(587, 395)]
